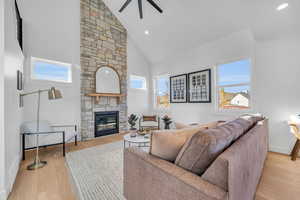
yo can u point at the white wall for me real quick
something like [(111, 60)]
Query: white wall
[(52, 31), (13, 61), (139, 101), (276, 87), (275, 77), (236, 46), (2, 138), (57, 37)]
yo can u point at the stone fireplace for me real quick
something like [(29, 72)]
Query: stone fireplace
[(103, 42)]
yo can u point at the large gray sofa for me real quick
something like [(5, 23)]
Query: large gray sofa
[(233, 175)]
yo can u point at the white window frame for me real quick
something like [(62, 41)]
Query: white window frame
[(218, 87), (140, 78), (67, 65), (155, 91)]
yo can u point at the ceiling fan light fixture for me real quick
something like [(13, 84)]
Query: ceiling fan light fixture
[(147, 32), (140, 5)]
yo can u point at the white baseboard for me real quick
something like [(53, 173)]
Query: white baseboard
[(278, 149), (3, 195)]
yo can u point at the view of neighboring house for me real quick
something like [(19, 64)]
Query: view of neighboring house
[(230, 100), (241, 99)]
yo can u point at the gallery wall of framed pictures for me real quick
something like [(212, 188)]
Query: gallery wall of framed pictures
[(194, 87)]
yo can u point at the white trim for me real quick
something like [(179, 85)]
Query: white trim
[(136, 77), (139, 89), (2, 118), (234, 85), (12, 174), (279, 149), (67, 65), (217, 87)]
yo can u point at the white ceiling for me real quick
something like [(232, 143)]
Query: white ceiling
[(185, 24)]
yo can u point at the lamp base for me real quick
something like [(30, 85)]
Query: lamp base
[(36, 165)]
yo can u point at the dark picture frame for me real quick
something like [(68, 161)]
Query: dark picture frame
[(199, 86), (19, 23), (19, 80), (178, 88)]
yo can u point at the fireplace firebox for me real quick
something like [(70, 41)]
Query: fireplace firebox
[(106, 123)]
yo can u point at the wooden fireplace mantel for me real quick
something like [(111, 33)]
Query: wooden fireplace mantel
[(98, 95)]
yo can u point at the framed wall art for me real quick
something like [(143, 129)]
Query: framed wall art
[(178, 89), (199, 86)]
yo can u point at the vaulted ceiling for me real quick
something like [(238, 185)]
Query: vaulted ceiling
[(185, 24)]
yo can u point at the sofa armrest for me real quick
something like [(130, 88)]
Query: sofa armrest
[(147, 177)]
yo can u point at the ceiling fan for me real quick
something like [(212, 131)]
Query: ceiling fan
[(141, 6)]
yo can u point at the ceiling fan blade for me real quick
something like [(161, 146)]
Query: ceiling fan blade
[(155, 6), (125, 5), (140, 8)]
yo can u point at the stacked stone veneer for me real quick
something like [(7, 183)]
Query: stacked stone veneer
[(103, 43)]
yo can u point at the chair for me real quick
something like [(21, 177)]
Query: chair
[(149, 122), (295, 131), (49, 135)]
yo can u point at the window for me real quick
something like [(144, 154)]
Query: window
[(138, 82), (42, 69), (162, 91), (233, 85)]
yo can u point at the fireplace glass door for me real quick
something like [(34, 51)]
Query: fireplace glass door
[(106, 123)]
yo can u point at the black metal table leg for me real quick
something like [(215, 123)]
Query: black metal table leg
[(23, 146), (64, 145)]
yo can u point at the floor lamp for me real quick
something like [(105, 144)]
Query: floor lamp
[(52, 95)]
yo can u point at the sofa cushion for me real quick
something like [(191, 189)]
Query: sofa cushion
[(179, 125), (204, 147), (166, 144)]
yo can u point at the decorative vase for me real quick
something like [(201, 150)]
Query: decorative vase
[(167, 121), (133, 132), (167, 126)]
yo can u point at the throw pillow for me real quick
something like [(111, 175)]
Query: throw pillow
[(204, 147), (167, 144)]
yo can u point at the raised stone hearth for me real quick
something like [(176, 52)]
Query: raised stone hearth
[(103, 43)]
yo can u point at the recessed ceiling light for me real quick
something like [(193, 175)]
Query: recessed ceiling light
[(282, 6), (147, 32)]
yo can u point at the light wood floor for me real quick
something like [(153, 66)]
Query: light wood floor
[(280, 180)]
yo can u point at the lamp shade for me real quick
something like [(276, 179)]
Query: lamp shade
[(54, 94)]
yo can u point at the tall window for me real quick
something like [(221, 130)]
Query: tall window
[(138, 82), (233, 85), (42, 69), (162, 91)]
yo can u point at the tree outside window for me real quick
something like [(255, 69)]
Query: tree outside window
[(162, 91)]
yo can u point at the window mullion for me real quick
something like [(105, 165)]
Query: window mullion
[(233, 85), (233, 97)]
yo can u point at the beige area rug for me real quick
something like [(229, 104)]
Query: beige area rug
[(97, 172)]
